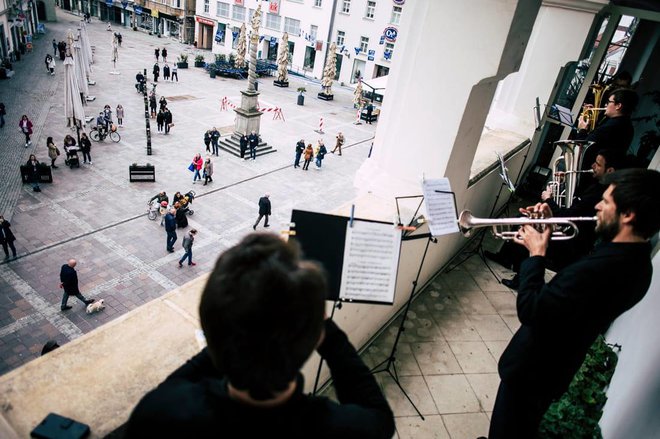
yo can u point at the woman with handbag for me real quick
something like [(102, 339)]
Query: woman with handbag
[(197, 163), (53, 152)]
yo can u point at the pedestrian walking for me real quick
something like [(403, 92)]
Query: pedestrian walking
[(53, 152), (300, 147), (25, 125), (120, 115), (187, 244), (157, 53), (340, 142), (207, 140), (156, 72), (215, 137), (166, 72), (160, 120), (7, 237), (47, 62), (244, 145), (370, 110), (308, 154), (33, 172), (152, 104), (3, 113), (54, 47), (86, 148), (253, 139), (170, 229), (264, 211), (197, 163), (69, 283), (163, 53), (162, 103), (167, 120), (321, 151), (208, 171), (175, 72), (51, 66)]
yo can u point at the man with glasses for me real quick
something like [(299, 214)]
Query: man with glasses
[(615, 132)]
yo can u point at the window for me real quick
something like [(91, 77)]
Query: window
[(234, 41), (364, 44), (274, 21), (389, 50), (250, 14), (222, 9), (238, 13), (313, 30), (346, 6), (206, 6), (291, 26), (396, 15), (371, 9), (317, 4), (341, 36)]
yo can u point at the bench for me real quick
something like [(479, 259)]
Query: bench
[(45, 174), (142, 173)]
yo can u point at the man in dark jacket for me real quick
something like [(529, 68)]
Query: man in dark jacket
[(170, 228), (264, 211), (300, 147), (7, 238), (167, 120), (247, 382), (244, 145), (253, 139), (215, 137), (561, 319), (69, 283)]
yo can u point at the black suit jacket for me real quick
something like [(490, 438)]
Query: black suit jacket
[(613, 133), (264, 206), (6, 234), (69, 279), (561, 319)]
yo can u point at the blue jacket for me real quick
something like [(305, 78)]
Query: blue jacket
[(170, 223)]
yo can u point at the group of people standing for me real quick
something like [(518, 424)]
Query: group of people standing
[(211, 139), (163, 116), (169, 73), (307, 153), (249, 142), (201, 169)]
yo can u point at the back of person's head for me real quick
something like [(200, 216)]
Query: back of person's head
[(262, 313), (627, 98), (638, 191), (613, 158)]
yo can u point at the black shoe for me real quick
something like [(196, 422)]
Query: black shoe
[(266, 225), (498, 258), (254, 227), (512, 283), (65, 308), (88, 301), (54, 167), (171, 250)]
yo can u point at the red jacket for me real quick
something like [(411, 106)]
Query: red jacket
[(29, 126), (198, 163)]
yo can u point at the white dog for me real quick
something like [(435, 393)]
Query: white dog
[(96, 306)]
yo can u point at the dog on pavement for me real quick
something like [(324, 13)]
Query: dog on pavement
[(96, 306)]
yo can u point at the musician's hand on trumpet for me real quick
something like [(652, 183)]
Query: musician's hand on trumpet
[(583, 120), (533, 240)]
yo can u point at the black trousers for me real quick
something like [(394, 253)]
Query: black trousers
[(517, 413)]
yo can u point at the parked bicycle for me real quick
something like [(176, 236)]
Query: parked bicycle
[(99, 136), (154, 209)]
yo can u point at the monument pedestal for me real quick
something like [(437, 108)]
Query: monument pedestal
[(281, 83), (326, 97), (248, 119)]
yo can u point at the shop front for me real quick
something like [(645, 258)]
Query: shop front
[(204, 33)]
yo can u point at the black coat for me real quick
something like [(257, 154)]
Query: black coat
[(244, 142), (264, 206), (69, 279), (613, 133), (561, 319), (181, 219), (6, 234), (253, 139)]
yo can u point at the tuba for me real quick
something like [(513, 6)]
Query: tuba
[(566, 171)]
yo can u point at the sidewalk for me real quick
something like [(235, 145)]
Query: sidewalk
[(95, 215)]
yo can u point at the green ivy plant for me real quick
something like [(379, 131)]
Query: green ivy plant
[(577, 413)]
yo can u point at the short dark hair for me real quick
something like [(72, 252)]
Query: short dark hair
[(262, 313), (613, 158), (637, 190), (627, 98)]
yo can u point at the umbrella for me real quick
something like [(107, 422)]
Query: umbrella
[(73, 107), (239, 62), (283, 59), (89, 55), (81, 74), (330, 70), (114, 56)]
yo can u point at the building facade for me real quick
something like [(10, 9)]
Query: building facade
[(19, 21), (365, 32)]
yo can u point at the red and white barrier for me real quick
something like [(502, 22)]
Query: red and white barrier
[(320, 130), (357, 120), (225, 104)]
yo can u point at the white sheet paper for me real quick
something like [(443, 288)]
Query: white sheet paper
[(440, 208), (371, 259)]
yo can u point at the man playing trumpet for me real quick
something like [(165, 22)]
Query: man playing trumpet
[(562, 318)]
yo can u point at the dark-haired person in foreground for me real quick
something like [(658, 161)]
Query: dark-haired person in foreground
[(263, 314), (560, 320)]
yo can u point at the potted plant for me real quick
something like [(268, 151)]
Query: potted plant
[(183, 61), (213, 71), (199, 60), (301, 97), (220, 58)]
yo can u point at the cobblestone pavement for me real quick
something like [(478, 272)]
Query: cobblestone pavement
[(95, 215)]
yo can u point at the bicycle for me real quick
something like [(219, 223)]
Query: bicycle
[(155, 209), (99, 136)]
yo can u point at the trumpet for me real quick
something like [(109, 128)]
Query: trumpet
[(565, 228)]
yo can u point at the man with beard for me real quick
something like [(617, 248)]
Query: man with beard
[(561, 319)]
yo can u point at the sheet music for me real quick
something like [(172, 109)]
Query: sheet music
[(440, 207), (371, 259)]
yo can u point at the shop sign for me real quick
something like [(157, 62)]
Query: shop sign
[(239, 2), (219, 35), (274, 6), (319, 45), (137, 9), (124, 4), (390, 33), (108, 3), (399, 2), (205, 21)]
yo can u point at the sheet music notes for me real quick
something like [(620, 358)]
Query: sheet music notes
[(440, 206), (371, 258), (504, 174)]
